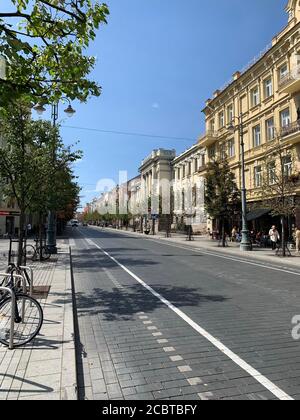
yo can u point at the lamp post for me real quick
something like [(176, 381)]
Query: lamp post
[(51, 227), (245, 243)]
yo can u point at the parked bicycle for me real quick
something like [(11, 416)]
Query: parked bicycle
[(28, 313), (33, 252)]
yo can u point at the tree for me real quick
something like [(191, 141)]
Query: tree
[(33, 177), (222, 197), (43, 43), (279, 178)]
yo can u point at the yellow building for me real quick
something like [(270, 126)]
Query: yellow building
[(267, 95)]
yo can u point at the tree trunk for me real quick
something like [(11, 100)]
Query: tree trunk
[(41, 235), (21, 237), (283, 235), (153, 227), (223, 234)]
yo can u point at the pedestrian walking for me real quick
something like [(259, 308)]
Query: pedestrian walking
[(233, 234), (274, 236), (297, 238)]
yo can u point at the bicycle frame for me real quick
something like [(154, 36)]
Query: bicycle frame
[(13, 306)]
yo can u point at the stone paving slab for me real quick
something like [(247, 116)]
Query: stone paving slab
[(45, 368), (123, 357)]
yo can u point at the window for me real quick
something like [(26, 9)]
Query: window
[(212, 152), (190, 168), (258, 176), (231, 148), (272, 173), (203, 160), (212, 125), (183, 171), (285, 118), (230, 114), (178, 173), (223, 151), (221, 120), (270, 129), (283, 71), (287, 166), (196, 162), (255, 96), (268, 88), (256, 136)]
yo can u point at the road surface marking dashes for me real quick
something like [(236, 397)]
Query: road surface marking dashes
[(254, 373), (176, 358), (168, 349), (184, 369), (163, 341), (195, 381), (147, 322), (112, 278), (152, 328), (205, 396), (157, 334)]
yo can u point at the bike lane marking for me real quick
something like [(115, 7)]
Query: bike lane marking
[(264, 381)]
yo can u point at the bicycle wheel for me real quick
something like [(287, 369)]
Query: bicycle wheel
[(30, 252), (28, 320), (45, 253)]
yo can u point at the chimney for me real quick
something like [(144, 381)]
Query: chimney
[(236, 75)]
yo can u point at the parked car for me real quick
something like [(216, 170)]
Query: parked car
[(74, 223)]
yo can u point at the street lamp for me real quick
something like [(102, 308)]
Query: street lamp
[(51, 228), (245, 243)]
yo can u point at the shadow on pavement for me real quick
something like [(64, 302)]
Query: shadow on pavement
[(124, 304)]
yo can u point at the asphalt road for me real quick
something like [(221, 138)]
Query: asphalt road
[(162, 322)]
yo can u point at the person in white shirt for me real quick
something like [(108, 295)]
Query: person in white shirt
[(274, 236)]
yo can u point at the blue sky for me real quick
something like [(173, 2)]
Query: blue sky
[(158, 61)]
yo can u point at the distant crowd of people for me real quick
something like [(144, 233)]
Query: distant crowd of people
[(261, 238)]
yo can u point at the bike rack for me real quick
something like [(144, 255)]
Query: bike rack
[(12, 316), (13, 298), (24, 268)]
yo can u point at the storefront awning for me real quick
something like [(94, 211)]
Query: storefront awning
[(256, 214)]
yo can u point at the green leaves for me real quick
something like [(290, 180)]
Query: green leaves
[(35, 162), (222, 196), (46, 50)]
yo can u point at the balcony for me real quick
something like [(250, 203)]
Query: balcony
[(291, 132), (202, 168), (208, 139), (291, 82)]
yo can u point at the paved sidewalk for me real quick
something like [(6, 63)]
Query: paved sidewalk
[(46, 368), (205, 244)]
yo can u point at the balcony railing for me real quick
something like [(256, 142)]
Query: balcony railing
[(290, 129), (290, 82)]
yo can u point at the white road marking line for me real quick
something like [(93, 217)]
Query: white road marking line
[(176, 358), (147, 322), (158, 334), (143, 317), (162, 341), (152, 328), (195, 381), (184, 369), (269, 385)]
